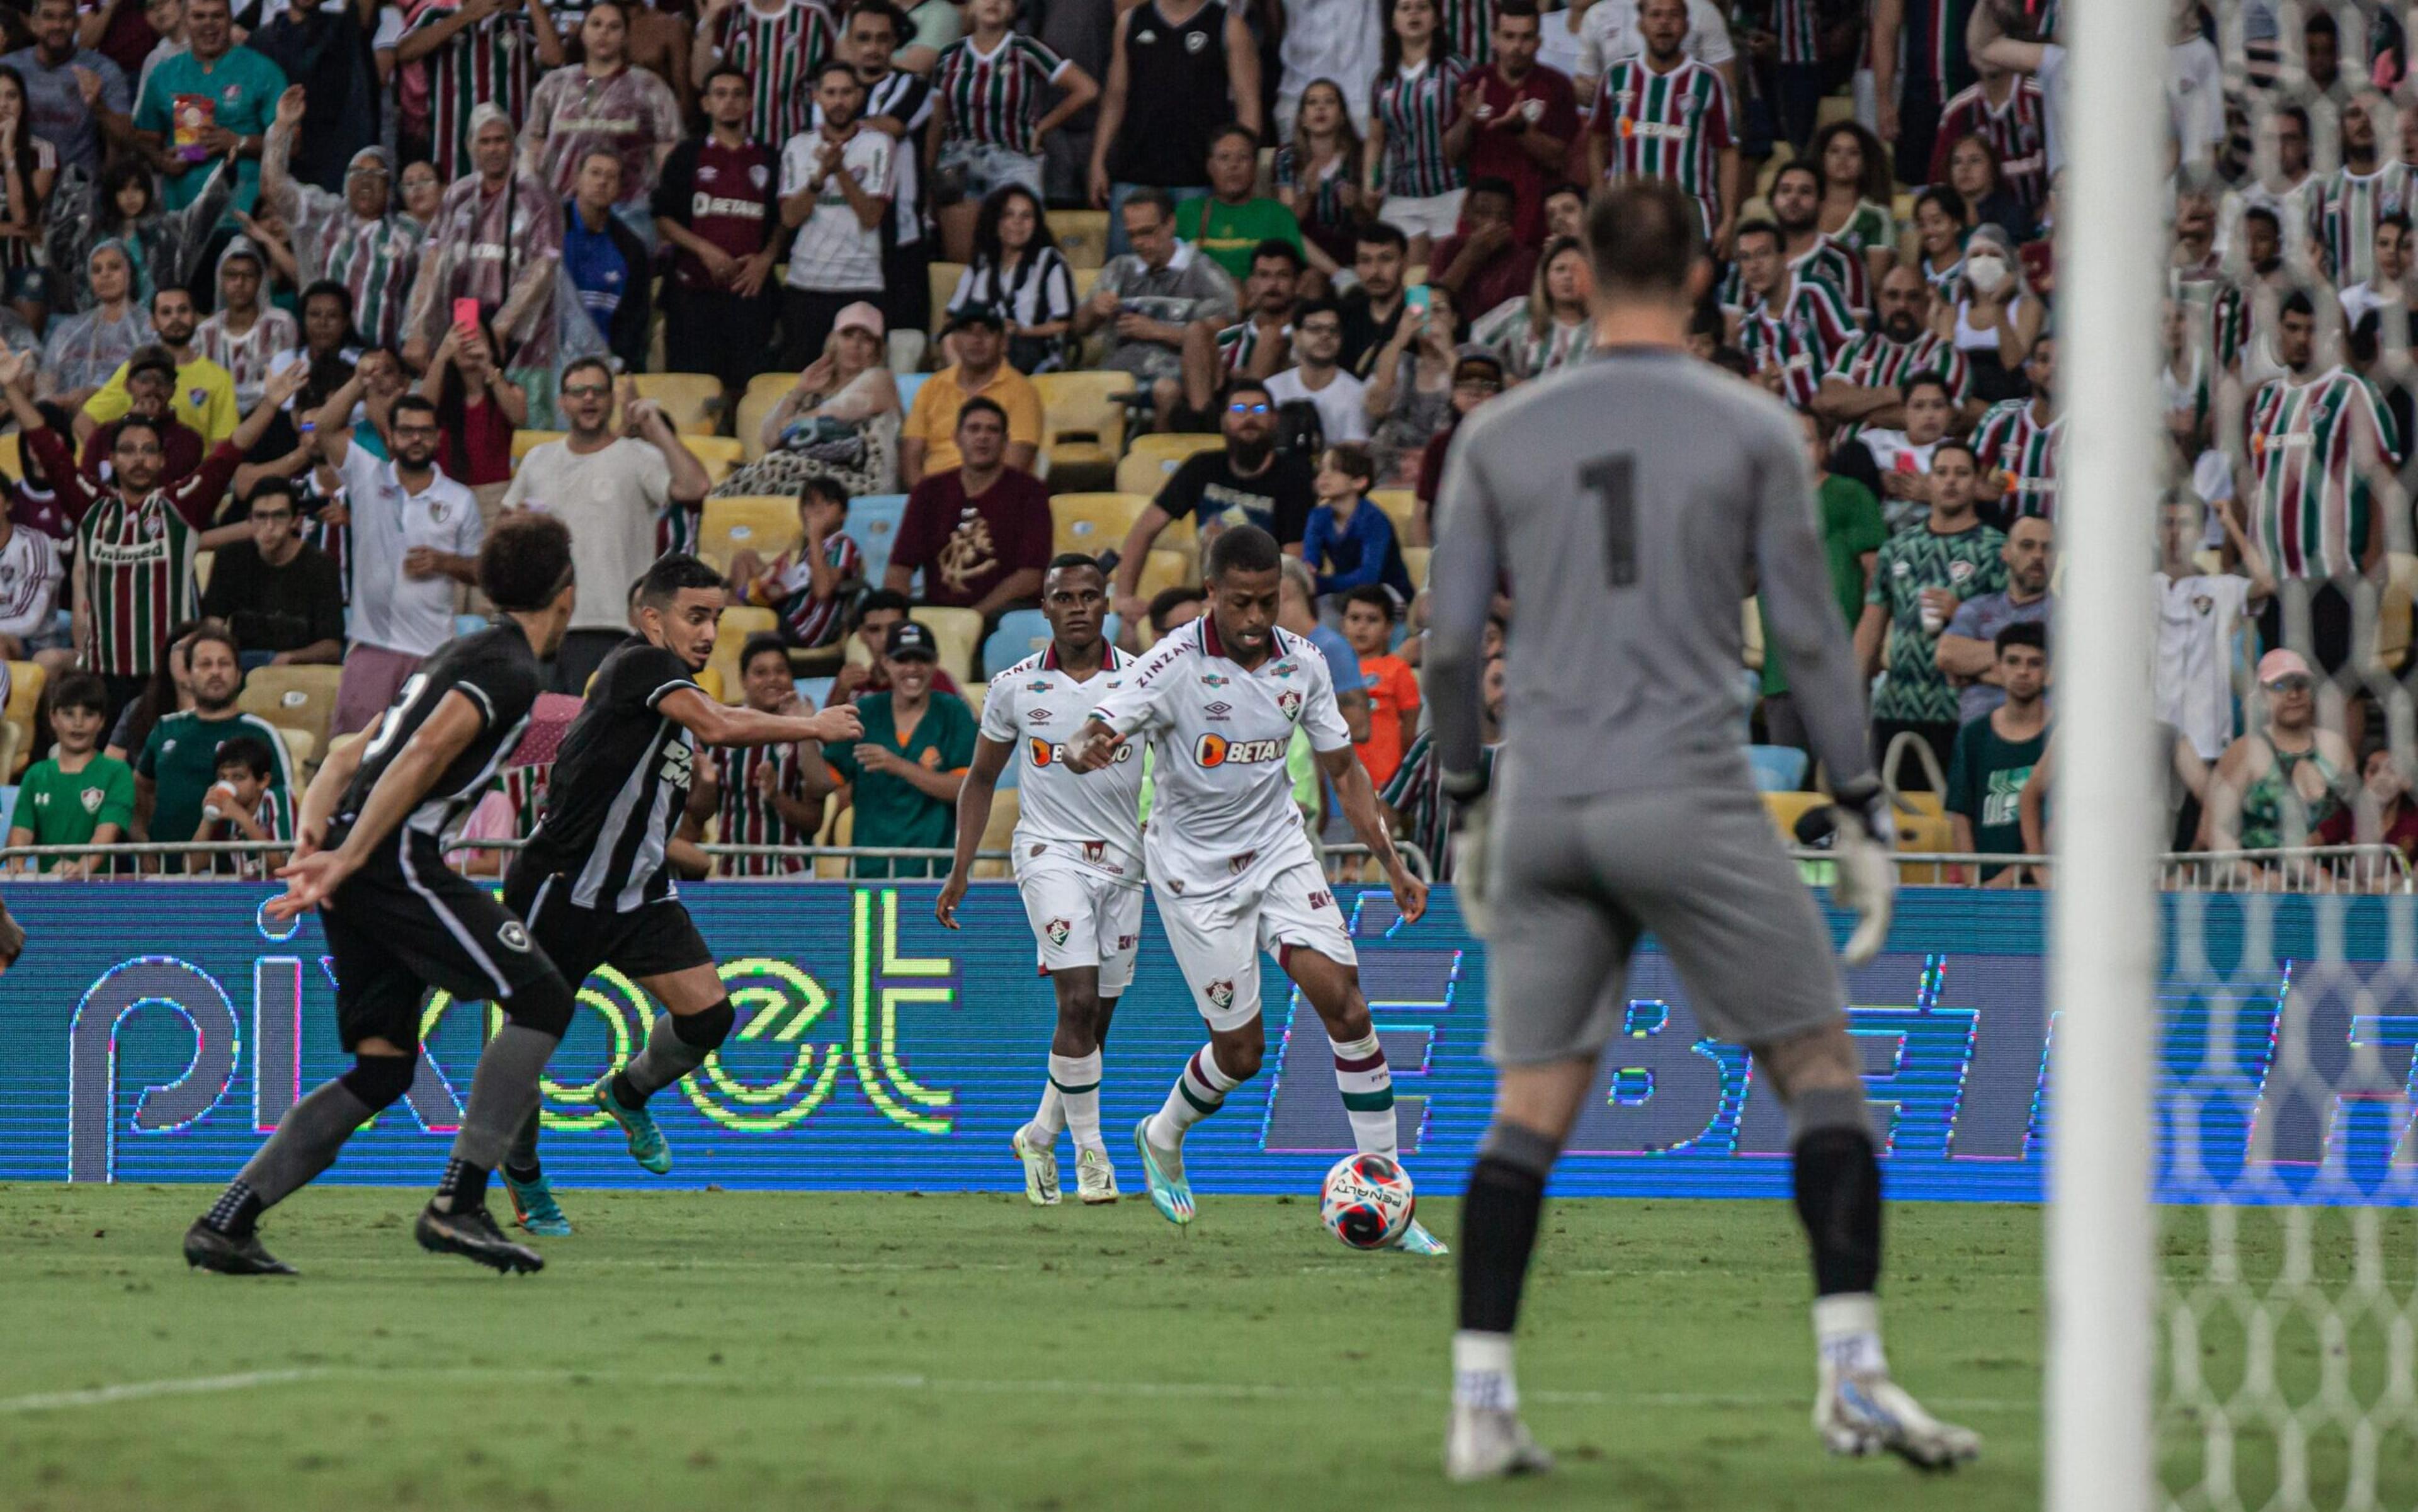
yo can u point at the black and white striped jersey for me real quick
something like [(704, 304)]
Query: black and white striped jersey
[(619, 785), (499, 674)]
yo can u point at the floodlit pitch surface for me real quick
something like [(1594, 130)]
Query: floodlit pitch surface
[(728, 1350)]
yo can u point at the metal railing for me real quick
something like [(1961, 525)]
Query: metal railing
[(2356, 868)]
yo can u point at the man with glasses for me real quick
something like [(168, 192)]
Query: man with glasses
[(1246, 482), (415, 534), (204, 394), (1147, 297), (150, 382), (1318, 374), (280, 595), (353, 238)]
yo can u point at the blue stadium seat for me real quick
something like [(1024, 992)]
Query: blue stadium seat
[(469, 624), (908, 383), (1777, 768), (813, 690), (873, 525), (1019, 634)]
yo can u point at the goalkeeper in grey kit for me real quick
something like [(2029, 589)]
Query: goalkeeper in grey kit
[(1633, 501)]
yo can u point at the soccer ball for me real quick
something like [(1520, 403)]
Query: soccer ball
[(1367, 1201)]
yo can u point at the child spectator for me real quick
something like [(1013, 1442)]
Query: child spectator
[(758, 791), (1393, 687), (242, 805), (1349, 543), (76, 796), (807, 588)]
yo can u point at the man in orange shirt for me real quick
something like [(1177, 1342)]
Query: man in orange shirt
[(1393, 687)]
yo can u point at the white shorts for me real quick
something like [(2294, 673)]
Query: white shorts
[(1433, 216), (1080, 918), (1281, 904)]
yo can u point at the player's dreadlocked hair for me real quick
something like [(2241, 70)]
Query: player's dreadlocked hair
[(525, 562), (1645, 235), (1243, 548), (671, 572)]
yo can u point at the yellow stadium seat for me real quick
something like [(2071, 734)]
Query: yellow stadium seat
[(720, 453), (1929, 833), (1414, 561), (204, 563), (2393, 613), (1000, 834), (1163, 569), (524, 442), (767, 526), (775, 382), (692, 400), (1151, 459), (13, 743), (1082, 419), (1787, 808), (1083, 236), (959, 632), (945, 285), (12, 462), (302, 750), (293, 698), (710, 679), (25, 680), (750, 420), (1084, 278), (732, 633), (842, 826), (1401, 505), (1092, 523)]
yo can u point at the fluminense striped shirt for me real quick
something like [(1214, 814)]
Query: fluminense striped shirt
[(2343, 213), (488, 61), (2017, 131), (1466, 29), (1770, 341), (247, 357), (2313, 445), (1821, 318), (2012, 440), (1829, 261), (1947, 284), (788, 590), (747, 817), (995, 98), (137, 558), (1239, 342), (1671, 126), (375, 260), (780, 52), (1417, 106), (1798, 24), (1871, 361), (1932, 42)]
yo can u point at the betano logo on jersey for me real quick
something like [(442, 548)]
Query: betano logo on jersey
[(1218, 751), (1043, 754)]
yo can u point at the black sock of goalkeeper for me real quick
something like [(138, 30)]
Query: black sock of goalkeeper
[(1498, 1233), (1838, 1181)]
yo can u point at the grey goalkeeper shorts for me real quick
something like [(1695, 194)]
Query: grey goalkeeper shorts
[(1576, 881)]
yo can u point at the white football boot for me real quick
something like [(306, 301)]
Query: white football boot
[(1864, 1412), (1490, 1444)]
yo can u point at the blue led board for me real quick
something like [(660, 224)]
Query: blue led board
[(156, 1032)]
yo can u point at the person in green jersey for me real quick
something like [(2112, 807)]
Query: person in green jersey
[(1232, 222), (179, 763), (1852, 534), (1921, 576), (1995, 754), (76, 796), (215, 97), (907, 769)]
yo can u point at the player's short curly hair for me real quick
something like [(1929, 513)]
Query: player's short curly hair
[(1243, 548), (524, 561)]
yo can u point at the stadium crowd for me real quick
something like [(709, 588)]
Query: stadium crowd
[(880, 307)]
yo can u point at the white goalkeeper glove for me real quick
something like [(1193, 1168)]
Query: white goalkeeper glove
[(1867, 881), (1474, 823)]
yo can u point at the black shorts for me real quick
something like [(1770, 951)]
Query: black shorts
[(2329, 648), (405, 923), (651, 939)]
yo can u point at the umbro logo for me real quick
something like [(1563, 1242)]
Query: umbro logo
[(1219, 710)]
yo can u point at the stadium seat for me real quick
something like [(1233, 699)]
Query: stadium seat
[(944, 287), (767, 526), (813, 690), (909, 384), (873, 525), (775, 382), (204, 563), (1401, 505), (720, 453), (301, 752), (13, 745), (958, 630), (1083, 236), (1414, 561), (693, 401), (469, 624), (12, 462), (749, 422), (1020, 633), (25, 680), (1787, 808), (710, 679), (1084, 278), (1092, 523), (1082, 421), (2393, 611), (524, 442), (1152, 459), (1929, 834), (842, 826), (732, 633), (1000, 832), (293, 698), (1777, 768)]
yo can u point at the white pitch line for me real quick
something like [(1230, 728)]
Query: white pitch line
[(1193, 1390)]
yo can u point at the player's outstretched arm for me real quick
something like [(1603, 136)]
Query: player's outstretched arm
[(328, 785), (1359, 801), (444, 735), (974, 817), (715, 723)]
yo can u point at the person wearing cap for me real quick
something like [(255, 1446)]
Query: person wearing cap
[(975, 338), (2273, 788), (981, 532), (1478, 375), (325, 52), (904, 774), (243, 335), (610, 269), (240, 88), (204, 393), (835, 190), (717, 205), (846, 393), (497, 238), (355, 238), (150, 382)]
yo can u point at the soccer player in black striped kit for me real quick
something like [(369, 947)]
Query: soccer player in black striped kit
[(593, 882), (370, 856)]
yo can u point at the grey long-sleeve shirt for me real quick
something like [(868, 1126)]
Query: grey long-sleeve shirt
[(1633, 501)]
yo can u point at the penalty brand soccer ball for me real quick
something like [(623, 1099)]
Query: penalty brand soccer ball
[(1367, 1201)]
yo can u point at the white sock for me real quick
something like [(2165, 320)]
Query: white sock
[(1847, 1331), (1481, 1371), (1367, 1084), (1075, 1093), (1049, 1119), (1200, 1091)]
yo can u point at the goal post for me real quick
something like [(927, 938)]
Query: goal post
[(2101, 1285)]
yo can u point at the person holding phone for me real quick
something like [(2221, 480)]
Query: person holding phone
[(1411, 387)]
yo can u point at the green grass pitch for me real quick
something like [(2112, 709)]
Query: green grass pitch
[(737, 1351)]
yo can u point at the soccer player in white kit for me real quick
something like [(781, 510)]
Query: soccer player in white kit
[(1230, 860), (1077, 860)]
